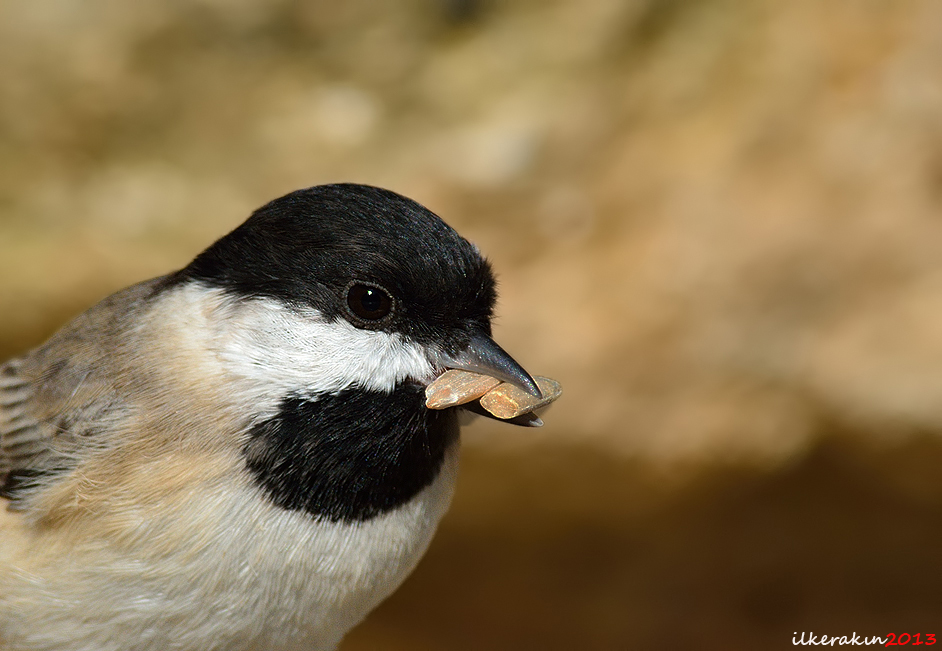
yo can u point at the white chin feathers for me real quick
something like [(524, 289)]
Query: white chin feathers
[(286, 350)]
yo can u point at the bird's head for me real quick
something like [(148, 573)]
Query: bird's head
[(369, 290)]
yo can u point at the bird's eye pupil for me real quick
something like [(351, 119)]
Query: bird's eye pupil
[(368, 303), (372, 301)]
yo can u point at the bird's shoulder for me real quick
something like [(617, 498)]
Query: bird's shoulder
[(58, 400)]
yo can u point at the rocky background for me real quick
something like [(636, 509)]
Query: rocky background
[(717, 222)]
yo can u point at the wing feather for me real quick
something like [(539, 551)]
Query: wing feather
[(57, 399)]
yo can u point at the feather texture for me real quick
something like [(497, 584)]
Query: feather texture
[(139, 525)]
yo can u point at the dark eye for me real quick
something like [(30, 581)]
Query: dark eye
[(368, 302)]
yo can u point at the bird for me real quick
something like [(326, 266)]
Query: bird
[(236, 456)]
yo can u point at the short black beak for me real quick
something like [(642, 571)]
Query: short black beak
[(483, 355)]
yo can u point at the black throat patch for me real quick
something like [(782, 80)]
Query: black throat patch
[(353, 455)]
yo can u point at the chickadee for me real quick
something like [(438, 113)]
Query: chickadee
[(237, 455)]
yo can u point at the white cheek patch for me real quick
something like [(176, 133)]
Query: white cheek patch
[(290, 350)]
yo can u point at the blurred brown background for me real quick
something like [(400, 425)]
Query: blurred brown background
[(715, 221)]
